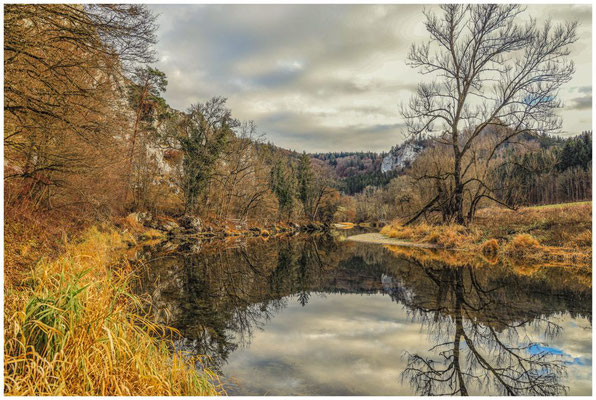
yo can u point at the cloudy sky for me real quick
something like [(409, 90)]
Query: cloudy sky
[(353, 344), (323, 77)]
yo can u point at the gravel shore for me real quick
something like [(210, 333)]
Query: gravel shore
[(382, 239)]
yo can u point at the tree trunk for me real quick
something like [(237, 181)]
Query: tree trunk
[(458, 193)]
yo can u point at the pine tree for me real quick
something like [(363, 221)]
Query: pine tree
[(283, 185), (305, 183)]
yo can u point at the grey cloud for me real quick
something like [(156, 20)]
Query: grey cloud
[(585, 89), (327, 346), (297, 132), (276, 78), (334, 74), (573, 12), (582, 103)]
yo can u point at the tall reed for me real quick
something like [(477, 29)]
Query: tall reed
[(71, 328)]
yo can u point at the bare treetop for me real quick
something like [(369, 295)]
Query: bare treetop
[(488, 68)]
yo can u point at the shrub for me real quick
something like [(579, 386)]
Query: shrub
[(490, 248), (522, 245)]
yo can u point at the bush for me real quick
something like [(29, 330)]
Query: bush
[(522, 245), (490, 248)]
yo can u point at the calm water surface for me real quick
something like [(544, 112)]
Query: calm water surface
[(321, 316)]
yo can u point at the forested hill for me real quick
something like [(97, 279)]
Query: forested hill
[(354, 171)]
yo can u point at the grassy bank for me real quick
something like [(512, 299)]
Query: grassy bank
[(71, 328), (559, 233)]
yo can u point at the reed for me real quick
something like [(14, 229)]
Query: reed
[(72, 328)]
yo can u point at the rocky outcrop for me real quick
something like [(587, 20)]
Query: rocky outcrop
[(402, 156)]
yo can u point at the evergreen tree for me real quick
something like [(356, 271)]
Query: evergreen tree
[(207, 130), (283, 185), (305, 182)]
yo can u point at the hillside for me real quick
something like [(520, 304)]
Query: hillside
[(354, 171)]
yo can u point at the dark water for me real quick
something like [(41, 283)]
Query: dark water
[(321, 316)]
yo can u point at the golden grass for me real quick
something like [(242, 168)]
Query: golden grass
[(555, 225), (71, 329), (583, 239), (562, 205), (446, 236), (522, 245), (577, 276), (431, 256), (559, 234), (30, 234)]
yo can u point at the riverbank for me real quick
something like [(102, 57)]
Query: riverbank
[(72, 328), (559, 233), (382, 239), (68, 297), (149, 226)]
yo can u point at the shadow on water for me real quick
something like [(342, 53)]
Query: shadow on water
[(475, 316)]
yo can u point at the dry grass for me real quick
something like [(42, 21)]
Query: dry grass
[(490, 248), (583, 239), (71, 329), (432, 256), (30, 234), (521, 246), (555, 225), (556, 234), (446, 236), (563, 205)]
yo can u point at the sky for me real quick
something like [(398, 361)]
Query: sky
[(320, 78)]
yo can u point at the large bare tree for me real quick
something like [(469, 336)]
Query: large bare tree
[(62, 66), (493, 76)]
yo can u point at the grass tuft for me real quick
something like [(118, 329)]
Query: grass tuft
[(583, 239), (560, 234), (73, 330), (490, 248), (445, 236), (522, 245)]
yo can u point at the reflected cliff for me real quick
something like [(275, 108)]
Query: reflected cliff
[(482, 327)]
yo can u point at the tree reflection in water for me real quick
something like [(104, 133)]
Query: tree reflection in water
[(477, 316), (485, 347)]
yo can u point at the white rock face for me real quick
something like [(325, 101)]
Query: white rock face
[(401, 156)]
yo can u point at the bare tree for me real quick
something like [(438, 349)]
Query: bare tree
[(478, 344), (62, 64), (492, 76)]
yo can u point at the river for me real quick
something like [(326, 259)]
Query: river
[(318, 315)]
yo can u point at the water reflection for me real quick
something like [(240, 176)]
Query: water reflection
[(483, 329), (475, 353)]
